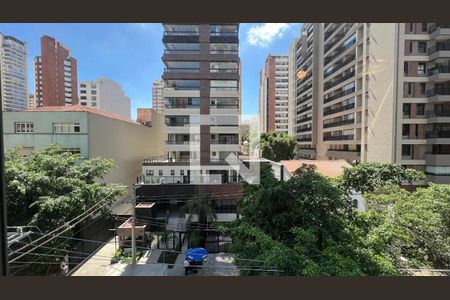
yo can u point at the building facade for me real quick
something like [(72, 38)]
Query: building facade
[(106, 95), (273, 94), (144, 116), (89, 132), (202, 112), (158, 95), (31, 101), (55, 75), (13, 73), (373, 92)]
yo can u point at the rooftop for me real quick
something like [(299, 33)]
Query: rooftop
[(80, 108), (329, 168)]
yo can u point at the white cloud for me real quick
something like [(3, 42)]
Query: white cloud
[(262, 35)]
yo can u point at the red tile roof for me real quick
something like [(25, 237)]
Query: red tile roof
[(329, 168), (80, 108)]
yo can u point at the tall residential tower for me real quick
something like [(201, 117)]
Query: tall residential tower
[(55, 73), (13, 73)]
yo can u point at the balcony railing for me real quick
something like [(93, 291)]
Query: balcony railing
[(181, 70), (223, 33), (338, 137), (182, 105), (223, 70), (339, 95), (338, 65), (224, 88), (180, 33), (166, 159), (329, 85), (304, 89), (435, 27), (439, 69), (339, 123), (327, 112), (437, 134), (439, 113), (304, 120), (336, 39), (339, 51), (434, 92), (303, 99), (308, 139), (439, 47), (303, 129), (173, 51), (223, 51), (304, 109), (182, 142), (229, 106), (210, 178)]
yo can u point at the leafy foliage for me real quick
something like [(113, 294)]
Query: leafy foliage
[(49, 188), (367, 177), (306, 226), (277, 146)]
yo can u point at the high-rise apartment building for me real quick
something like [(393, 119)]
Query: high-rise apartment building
[(106, 95), (13, 73), (202, 101), (373, 92), (55, 73), (158, 95), (31, 101), (273, 94), (144, 116)]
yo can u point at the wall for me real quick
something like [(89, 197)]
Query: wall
[(43, 130), (382, 89), (125, 142)]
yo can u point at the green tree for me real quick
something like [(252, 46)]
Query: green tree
[(49, 188), (277, 146), (367, 177)]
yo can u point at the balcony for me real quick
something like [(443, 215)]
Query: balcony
[(439, 47), (339, 95), (304, 129), (308, 139), (340, 64), (439, 91), (437, 134), (165, 159), (339, 51), (304, 89), (219, 51), (200, 179), (347, 137), (303, 99), (327, 112), (304, 109), (174, 51), (180, 33), (339, 123), (437, 113), (304, 120), (182, 142), (328, 85), (181, 70), (223, 70), (437, 26), (233, 33), (439, 69)]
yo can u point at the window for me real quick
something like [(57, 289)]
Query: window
[(172, 172), (83, 92), (406, 150), (420, 110), (423, 87), (405, 68), (83, 85), (149, 172), (66, 127), (421, 68), (405, 130), (71, 150), (411, 27), (407, 110), (93, 92), (160, 172), (422, 47), (83, 97), (410, 88), (182, 172), (424, 27), (24, 127)]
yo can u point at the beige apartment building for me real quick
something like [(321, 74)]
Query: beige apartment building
[(373, 92)]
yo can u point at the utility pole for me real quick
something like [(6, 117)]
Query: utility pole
[(3, 229)]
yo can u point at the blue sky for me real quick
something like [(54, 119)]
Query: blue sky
[(131, 53)]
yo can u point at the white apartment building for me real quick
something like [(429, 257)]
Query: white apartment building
[(374, 92), (158, 95), (106, 95), (13, 73)]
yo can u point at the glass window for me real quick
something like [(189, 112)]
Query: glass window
[(24, 127), (66, 127), (421, 68), (160, 172), (422, 47)]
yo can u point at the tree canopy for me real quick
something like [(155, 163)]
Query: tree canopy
[(277, 146), (49, 188)]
